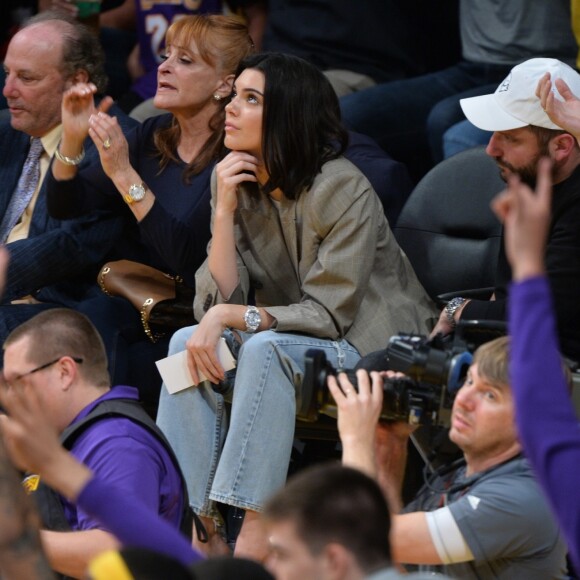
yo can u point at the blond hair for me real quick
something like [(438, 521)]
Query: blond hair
[(222, 42)]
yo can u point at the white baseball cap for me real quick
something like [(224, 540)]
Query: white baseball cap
[(514, 103)]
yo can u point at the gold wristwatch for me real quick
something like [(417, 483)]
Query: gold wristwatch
[(136, 193)]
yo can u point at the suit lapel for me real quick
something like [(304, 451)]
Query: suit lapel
[(11, 163)]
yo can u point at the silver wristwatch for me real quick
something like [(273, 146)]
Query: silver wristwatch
[(252, 319), (451, 307), (136, 193)]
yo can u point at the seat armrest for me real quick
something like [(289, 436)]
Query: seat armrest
[(473, 293)]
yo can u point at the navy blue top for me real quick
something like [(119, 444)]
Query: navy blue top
[(173, 236)]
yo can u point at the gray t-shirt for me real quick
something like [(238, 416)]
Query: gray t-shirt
[(511, 31), (504, 519)]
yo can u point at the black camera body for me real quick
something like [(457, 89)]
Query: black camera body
[(435, 370)]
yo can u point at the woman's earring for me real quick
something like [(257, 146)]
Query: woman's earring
[(217, 97)]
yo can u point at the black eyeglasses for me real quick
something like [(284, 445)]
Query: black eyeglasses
[(77, 359)]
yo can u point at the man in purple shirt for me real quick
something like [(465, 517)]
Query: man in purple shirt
[(546, 418), (59, 355)]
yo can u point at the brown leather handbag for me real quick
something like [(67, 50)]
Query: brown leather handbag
[(164, 302)]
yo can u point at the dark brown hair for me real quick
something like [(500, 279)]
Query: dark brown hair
[(301, 128), (544, 136), (335, 504)]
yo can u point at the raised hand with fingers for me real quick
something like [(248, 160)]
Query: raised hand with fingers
[(566, 113), (112, 145), (33, 444), (526, 218), (30, 439), (78, 105)]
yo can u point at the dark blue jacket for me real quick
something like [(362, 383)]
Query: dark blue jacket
[(59, 259)]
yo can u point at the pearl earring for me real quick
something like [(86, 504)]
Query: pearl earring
[(217, 97)]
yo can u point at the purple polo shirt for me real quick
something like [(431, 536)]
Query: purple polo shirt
[(123, 453)]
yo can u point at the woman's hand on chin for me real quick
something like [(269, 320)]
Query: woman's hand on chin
[(235, 168)]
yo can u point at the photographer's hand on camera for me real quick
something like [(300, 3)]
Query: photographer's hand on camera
[(391, 442), (358, 415), (376, 448)]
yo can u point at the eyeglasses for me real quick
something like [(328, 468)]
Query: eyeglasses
[(17, 378)]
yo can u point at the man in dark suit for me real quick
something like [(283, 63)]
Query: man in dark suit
[(52, 262)]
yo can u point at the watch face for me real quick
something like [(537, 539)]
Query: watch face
[(137, 192), (252, 319)]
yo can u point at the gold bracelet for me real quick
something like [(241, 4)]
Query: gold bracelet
[(69, 160)]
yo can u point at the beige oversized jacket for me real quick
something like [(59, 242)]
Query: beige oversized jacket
[(325, 265)]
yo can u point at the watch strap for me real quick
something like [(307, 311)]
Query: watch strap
[(451, 308)]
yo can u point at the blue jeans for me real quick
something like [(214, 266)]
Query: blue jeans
[(462, 136), (448, 114), (243, 464), (395, 113)]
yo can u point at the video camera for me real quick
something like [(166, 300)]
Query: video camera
[(435, 370)]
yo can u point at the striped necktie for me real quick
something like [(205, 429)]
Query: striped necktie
[(25, 189)]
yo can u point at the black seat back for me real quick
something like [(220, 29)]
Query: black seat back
[(447, 228)]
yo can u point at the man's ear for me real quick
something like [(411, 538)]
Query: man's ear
[(339, 562), (225, 87), (68, 371), (561, 146)]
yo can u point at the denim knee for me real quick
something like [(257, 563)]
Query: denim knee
[(180, 338)]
